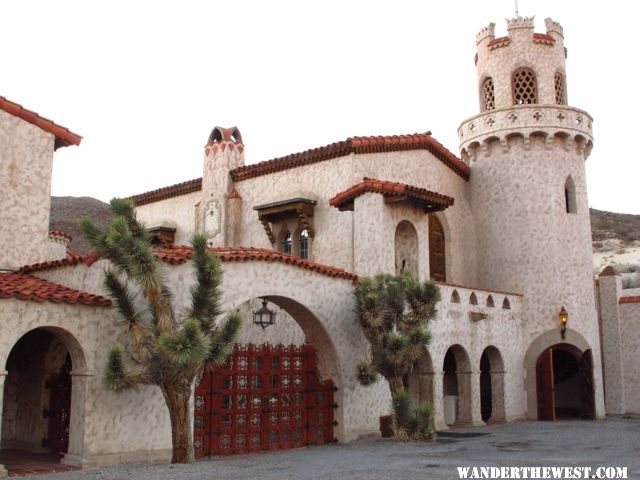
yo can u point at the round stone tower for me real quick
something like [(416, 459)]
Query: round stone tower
[(220, 207), (527, 149)]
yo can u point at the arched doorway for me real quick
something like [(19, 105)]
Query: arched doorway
[(564, 383), (406, 248), (492, 408), (37, 393), (277, 390), (437, 254), (456, 386)]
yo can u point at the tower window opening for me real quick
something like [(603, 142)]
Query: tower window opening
[(570, 195), (561, 95), (303, 244), (286, 243), (488, 97), (525, 90)]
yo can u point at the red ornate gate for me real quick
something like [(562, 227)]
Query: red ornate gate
[(265, 398)]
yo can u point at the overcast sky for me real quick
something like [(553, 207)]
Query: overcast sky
[(145, 82)]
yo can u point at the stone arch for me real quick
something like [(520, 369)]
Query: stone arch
[(492, 388), (46, 372), (575, 343), (406, 248), (456, 385)]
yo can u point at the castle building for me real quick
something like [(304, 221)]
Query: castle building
[(503, 228)]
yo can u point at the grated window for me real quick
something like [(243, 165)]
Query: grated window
[(304, 244), (488, 95), (561, 98), (286, 243), (525, 91)]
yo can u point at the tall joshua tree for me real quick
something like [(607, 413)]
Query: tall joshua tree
[(163, 349), (393, 311)]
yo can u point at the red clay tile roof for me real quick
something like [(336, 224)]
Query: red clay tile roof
[(60, 233), (26, 287), (543, 38), (498, 42), (356, 145), (234, 194), (391, 189), (64, 137), (177, 254), (629, 299), (176, 190), (608, 271), (71, 259)]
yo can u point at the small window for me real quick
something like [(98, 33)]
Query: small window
[(490, 302), (473, 300), (286, 244), (506, 305), (455, 297), (304, 244), (570, 195), (561, 94), (488, 97), (525, 90)]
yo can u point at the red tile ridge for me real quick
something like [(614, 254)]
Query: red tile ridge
[(64, 136), (608, 271), (389, 188), (71, 259), (479, 289), (634, 299), (498, 42), (27, 287), (543, 38), (171, 191), (234, 194), (60, 233)]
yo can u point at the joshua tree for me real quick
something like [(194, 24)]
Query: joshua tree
[(393, 312), (163, 349)]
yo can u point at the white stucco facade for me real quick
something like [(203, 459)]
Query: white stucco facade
[(503, 229)]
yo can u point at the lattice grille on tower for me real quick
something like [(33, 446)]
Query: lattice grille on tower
[(488, 95), (524, 87), (560, 92)]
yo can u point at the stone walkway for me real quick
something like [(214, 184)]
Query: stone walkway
[(611, 442)]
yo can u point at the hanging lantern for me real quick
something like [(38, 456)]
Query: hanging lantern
[(264, 316)]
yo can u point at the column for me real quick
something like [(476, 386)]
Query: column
[(438, 406), (3, 376), (469, 413), (498, 410), (77, 423)]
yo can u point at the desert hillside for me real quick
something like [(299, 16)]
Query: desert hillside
[(66, 213), (616, 242)]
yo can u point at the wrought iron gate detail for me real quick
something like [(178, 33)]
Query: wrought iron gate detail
[(265, 398)]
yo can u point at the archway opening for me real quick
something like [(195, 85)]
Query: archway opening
[(485, 387), (37, 394), (406, 248), (277, 390), (564, 383), (456, 386)]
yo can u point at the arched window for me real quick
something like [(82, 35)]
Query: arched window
[(570, 195), (406, 248), (560, 89), (490, 301), (303, 244), (437, 264), (455, 297), (525, 89), (286, 243), (473, 299), (488, 97), (506, 304)]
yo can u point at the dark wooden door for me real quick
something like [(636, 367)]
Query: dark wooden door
[(265, 398), (587, 406), (59, 409), (544, 386), (437, 265)]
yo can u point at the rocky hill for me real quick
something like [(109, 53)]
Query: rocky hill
[(66, 213)]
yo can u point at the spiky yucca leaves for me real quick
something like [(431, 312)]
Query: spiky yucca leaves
[(393, 311), (163, 350), (411, 422)]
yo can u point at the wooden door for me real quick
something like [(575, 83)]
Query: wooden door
[(437, 265), (59, 409), (544, 386)]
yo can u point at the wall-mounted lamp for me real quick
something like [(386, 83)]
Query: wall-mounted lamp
[(264, 316), (563, 316)]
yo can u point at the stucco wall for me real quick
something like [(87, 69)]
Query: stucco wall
[(630, 329), (177, 212), (26, 155)]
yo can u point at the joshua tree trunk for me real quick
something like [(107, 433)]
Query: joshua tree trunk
[(396, 385), (177, 399)]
